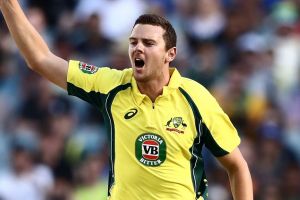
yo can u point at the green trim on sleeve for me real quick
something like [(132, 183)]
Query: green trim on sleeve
[(92, 97), (211, 144)]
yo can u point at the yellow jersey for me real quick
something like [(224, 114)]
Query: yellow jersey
[(155, 147)]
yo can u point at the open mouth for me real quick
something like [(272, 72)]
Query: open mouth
[(139, 63)]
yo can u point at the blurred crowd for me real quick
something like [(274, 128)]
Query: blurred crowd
[(246, 52)]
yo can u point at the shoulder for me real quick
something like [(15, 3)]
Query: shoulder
[(219, 134), (98, 79), (202, 98), (194, 89), (121, 76), (109, 78)]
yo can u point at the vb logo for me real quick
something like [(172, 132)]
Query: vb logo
[(150, 149)]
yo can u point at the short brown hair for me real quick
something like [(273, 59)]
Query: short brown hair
[(169, 36)]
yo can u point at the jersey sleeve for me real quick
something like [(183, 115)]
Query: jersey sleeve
[(216, 131), (91, 83), (220, 136)]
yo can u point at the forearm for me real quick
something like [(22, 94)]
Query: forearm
[(239, 175), (32, 46), (241, 183)]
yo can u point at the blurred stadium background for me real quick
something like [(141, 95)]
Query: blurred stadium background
[(246, 52)]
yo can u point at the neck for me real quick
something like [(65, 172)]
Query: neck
[(153, 88)]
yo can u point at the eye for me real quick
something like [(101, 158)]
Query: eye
[(133, 43), (148, 44)]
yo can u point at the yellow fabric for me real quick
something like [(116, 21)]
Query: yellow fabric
[(168, 124), (102, 81), (214, 117)]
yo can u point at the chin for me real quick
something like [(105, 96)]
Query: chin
[(140, 77)]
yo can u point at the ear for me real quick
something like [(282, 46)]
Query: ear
[(171, 54)]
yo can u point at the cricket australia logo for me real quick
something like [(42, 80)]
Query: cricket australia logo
[(176, 124), (150, 149), (88, 69)]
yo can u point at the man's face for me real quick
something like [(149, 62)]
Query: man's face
[(147, 52)]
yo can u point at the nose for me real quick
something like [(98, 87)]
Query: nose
[(139, 47)]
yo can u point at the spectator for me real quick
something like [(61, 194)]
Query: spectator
[(27, 178)]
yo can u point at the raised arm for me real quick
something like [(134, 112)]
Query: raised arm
[(33, 48), (239, 175)]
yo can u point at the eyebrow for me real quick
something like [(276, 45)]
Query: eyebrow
[(143, 39)]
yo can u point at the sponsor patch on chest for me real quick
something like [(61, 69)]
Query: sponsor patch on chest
[(150, 149)]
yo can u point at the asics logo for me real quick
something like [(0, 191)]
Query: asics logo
[(131, 113)]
